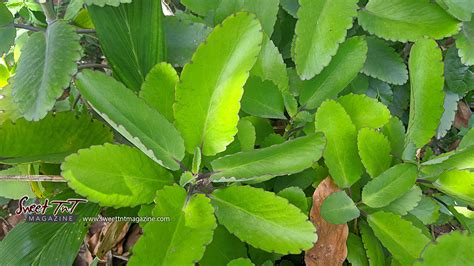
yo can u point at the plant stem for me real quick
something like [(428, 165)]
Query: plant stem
[(33, 178), (92, 65), (48, 9), (28, 27)]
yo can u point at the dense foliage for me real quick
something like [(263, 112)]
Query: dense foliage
[(239, 120)]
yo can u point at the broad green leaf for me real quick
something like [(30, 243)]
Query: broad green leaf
[(15, 189), (263, 220), (321, 27), (295, 196), (207, 98), (467, 140), (50, 139), (374, 151), (47, 243), (461, 159), (182, 240), (405, 203), (457, 183), (271, 161), (427, 95), (131, 37), (290, 6), (447, 119), (465, 43), (384, 63), (373, 248), (182, 39), (52, 56), (140, 124), (355, 251), (262, 99), (407, 20), (223, 248), (341, 155), (106, 2), (400, 237), (339, 208), (302, 180), (380, 91), (390, 185), (365, 111), (201, 7), (459, 79), (8, 108), (426, 211), (343, 68), (125, 177), (460, 9), (455, 248), (246, 135), (263, 128), (7, 30), (395, 132), (158, 89), (241, 262), (73, 8)]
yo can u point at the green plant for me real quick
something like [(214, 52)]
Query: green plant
[(226, 117)]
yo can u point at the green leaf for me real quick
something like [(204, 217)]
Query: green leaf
[(106, 2), (7, 30), (465, 43), (182, 240), (8, 109), (380, 91), (341, 155), (339, 208), (241, 262), (343, 68), (207, 98), (246, 135), (15, 189), (384, 63), (426, 211), (457, 183), (400, 237), (127, 176), (52, 57), (271, 161), (158, 89), (262, 99), (455, 248), (140, 124), (365, 111), (47, 243), (467, 140), (290, 6), (427, 95), (295, 196), (183, 38), (461, 159), (407, 20), (372, 245), (223, 248), (450, 107), (405, 203), (201, 7), (460, 9), (263, 220), (132, 38), (50, 139), (390, 185), (374, 151), (302, 180), (321, 27), (355, 251), (395, 132), (459, 79)]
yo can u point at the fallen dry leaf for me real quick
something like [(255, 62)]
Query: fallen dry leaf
[(330, 249), (462, 115)]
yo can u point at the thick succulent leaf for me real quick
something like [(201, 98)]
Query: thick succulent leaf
[(182, 240), (427, 95), (427, 210), (125, 177), (467, 140), (374, 151), (270, 161), (447, 119), (407, 20), (262, 99), (208, 96), (457, 183), (338, 208), (46, 243), (246, 135), (372, 245), (290, 6), (52, 56), (405, 203), (50, 139), (455, 248), (365, 111), (295, 196), (183, 38), (390, 185), (7, 30), (106, 2), (158, 89), (142, 125), (384, 63), (223, 248), (132, 38), (15, 189), (395, 132), (201, 7), (263, 220), (465, 43), (380, 91), (321, 27), (400, 237), (355, 251), (241, 262), (459, 79), (461, 159), (343, 68), (460, 9), (341, 155)]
